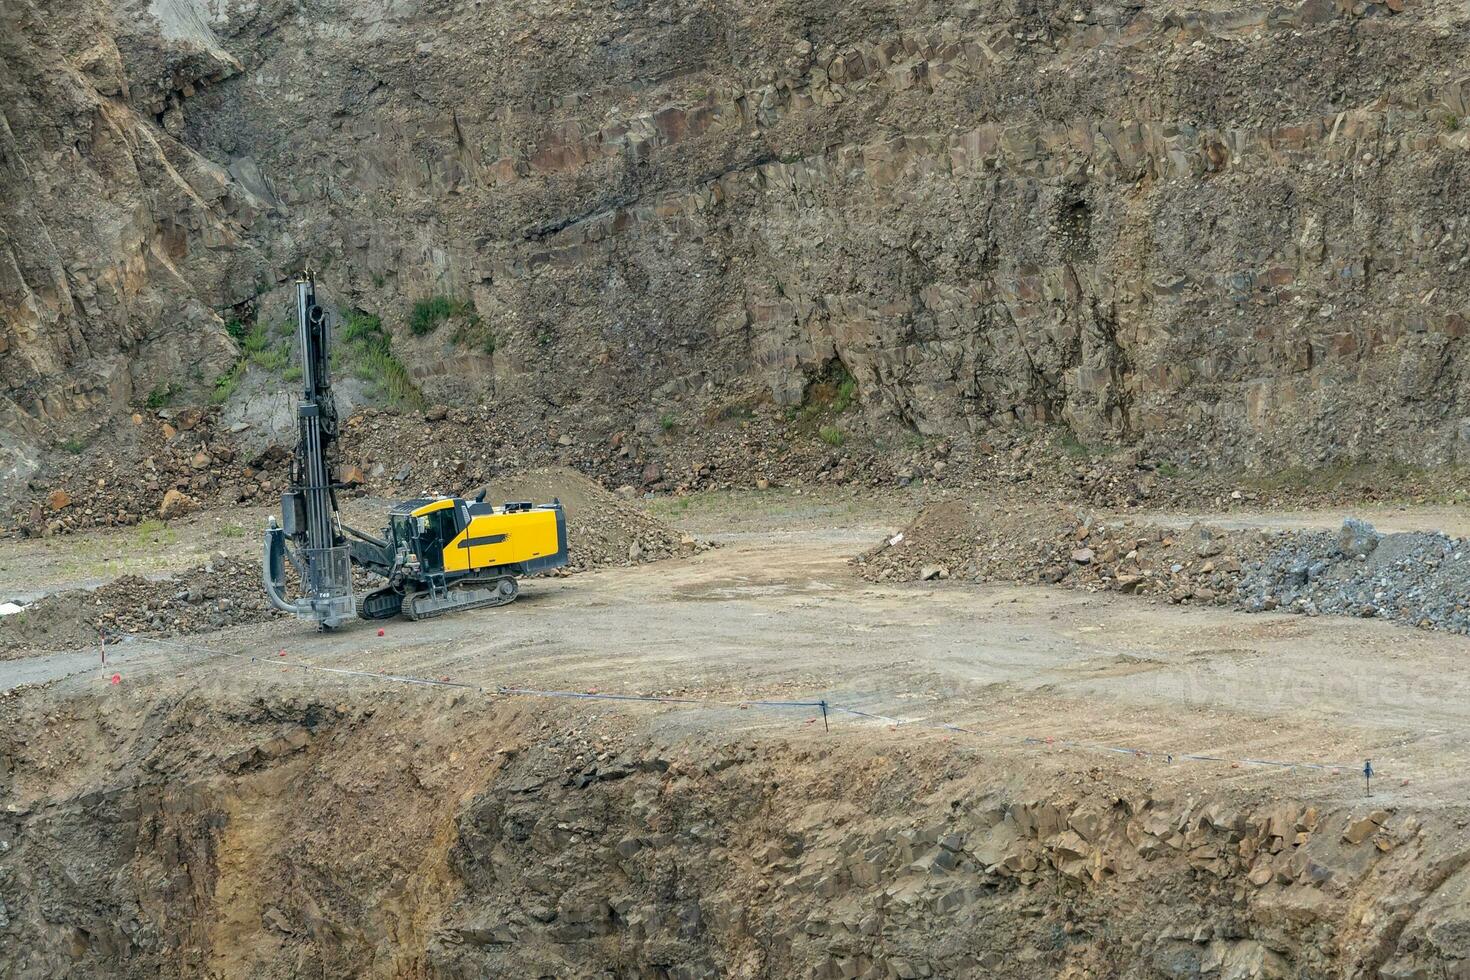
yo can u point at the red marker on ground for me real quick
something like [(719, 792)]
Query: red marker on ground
[(380, 631), (116, 679), (281, 654)]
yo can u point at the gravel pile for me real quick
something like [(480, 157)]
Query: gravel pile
[(1059, 546), (225, 592), (1420, 579)]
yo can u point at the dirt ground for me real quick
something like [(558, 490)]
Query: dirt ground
[(1061, 698), (775, 611)]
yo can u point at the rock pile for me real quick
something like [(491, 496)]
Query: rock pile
[(166, 463), (473, 444), (224, 592), (1421, 579), (169, 462), (1200, 564), (154, 465)]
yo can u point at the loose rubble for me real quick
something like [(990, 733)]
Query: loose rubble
[(224, 592), (1060, 546), (155, 465), (1419, 579), (169, 462)]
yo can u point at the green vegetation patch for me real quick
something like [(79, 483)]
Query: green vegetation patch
[(831, 435), (266, 346), (225, 384), (475, 333), (365, 350), (1073, 446), (432, 311), (827, 396), (162, 395)]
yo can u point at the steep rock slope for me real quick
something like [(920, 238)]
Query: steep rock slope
[(1227, 229), (116, 240)]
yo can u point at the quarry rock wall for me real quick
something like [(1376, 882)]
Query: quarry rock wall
[(1230, 231)]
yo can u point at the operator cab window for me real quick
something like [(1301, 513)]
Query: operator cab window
[(435, 531)]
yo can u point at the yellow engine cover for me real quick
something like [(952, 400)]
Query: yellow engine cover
[(496, 539)]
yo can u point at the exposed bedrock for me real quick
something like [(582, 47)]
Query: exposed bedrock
[(1233, 231)]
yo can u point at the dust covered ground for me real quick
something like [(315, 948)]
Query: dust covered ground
[(1014, 778)]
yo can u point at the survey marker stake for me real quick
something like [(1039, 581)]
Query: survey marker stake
[(1368, 776)]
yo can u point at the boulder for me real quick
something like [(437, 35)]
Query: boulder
[(1357, 539), (1359, 830), (58, 499), (176, 503), (1209, 546), (1227, 563)]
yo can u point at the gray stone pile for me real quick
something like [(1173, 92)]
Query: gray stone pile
[(1421, 579)]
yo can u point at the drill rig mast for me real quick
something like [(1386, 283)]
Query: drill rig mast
[(311, 533)]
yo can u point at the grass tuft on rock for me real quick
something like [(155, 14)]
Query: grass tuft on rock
[(432, 311), (365, 350)]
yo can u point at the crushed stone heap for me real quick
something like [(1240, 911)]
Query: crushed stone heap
[(1420, 579)]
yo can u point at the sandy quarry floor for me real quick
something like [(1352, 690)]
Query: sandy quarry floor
[(776, 612)]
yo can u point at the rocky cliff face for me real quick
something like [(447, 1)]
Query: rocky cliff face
[(116, 240), (1230, 230)]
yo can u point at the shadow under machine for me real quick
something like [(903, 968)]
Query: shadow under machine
[(435, 554)]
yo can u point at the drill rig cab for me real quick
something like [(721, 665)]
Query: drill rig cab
[(436, 554)]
